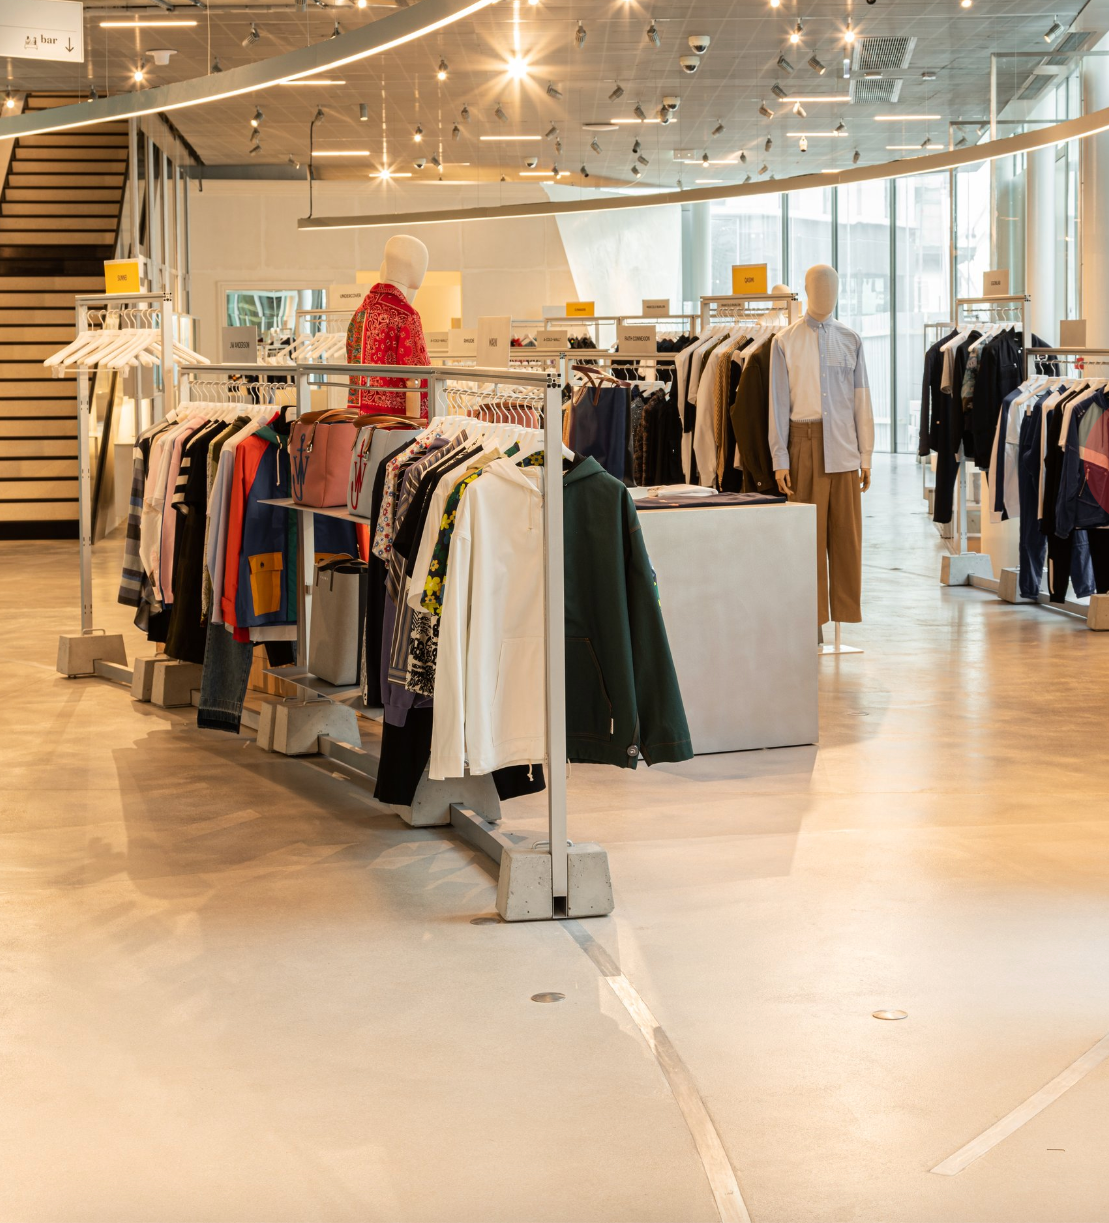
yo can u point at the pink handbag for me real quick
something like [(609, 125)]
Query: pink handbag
[(320, 445)]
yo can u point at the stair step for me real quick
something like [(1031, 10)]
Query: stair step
[(77, 224), (39, 409), (77, 169), (43, 394), (19, 237), (38, 469), (39, 511), (31, 371), (63, 181), (43, 317), (70, 153), (52, 284), (38, 448), (52, 208), (35, 429), (37, 333), (51, 140), (59, 195), (35, 490)]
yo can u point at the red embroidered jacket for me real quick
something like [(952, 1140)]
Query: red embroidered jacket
[(384, 330)]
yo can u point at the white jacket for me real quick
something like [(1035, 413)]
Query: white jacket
[(490, 674)]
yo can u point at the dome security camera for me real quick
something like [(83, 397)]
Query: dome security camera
[(420, 162), (671, 103), (700, 42), (531, 162), (690, 63)]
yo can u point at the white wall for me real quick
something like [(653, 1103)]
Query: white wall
[(245, 234)]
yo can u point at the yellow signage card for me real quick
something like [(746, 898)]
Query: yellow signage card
[(122, 276), (749, 278), (579, 309)]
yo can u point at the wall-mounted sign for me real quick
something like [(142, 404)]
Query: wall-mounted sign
[(239, 345), (343, 297), (579, 309), (438, 343), (749, 278), (995, 283), (462, 342), (42, 29), (494, 340), (122, 275), (641, 338), (552, 341), (656, 307), (1072, 333)]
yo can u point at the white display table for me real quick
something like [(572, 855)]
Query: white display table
[(738, 591)]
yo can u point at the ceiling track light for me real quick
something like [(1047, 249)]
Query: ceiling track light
[(763, 168), (663, 115), (816, 66), (499, 113), (252, 37), (584, 172), (139, 75), (456, 132), (418, 134), (652, 35), (784, 64), (436, 162), (1052, 30), (798, 109), (9, 101), (337, 29), (363, 112), (580, 36), (796, 32), (803, 144), (442, 71), (717, 130), (318, 115), (595, 145), (636, 171), (216, 65), (960, 142), (849, 32), (257, 117), (855, 158), (765, 111), (617, 93), (255, 149), (841, 128), (558, 145), (553, 91), (768, 145), (965, 3), (464, 113), (778, 91), (747, 178), (639, 113), (743, 158), (705, 160), (550, 132), (643, 161)]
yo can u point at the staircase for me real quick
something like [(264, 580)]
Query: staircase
[(59, 215)]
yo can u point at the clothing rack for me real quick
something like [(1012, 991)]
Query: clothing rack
[(718, 308), (552, 892), (932, 333), (965, 568)]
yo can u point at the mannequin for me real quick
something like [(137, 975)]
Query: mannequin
[(387, 330), (822, 438)]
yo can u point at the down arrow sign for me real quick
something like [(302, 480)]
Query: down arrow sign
[(69, 44)]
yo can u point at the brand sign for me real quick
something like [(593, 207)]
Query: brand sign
[(641, 338), (42, 29), (462, 342), (749, 278), (122, 276), (239, 345), (996, 283), (342, 297), (656, 307), (552, 341), (579, 309), (494, 339), (1072, 333), (438, 343)]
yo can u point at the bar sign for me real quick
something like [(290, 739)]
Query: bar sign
[(239, 345), (656, 307), (995, 283), (438, 343), (579, 309), (552, 341), (748, 278), (641, 339), (494, 340), (462, 343), (122, 276), (1072, 332)]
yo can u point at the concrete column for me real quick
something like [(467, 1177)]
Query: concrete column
[(700, 282), (1094, 227)]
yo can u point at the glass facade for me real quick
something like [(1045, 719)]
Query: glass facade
[(745, 231)]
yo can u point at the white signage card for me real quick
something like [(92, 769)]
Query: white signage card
[(656, 307), (342, 297), (641, 338), (995, 283), (42, 29), (239, 345), (462, 343), (552, 341), (438, 343), (1072, 333), (494, 340)]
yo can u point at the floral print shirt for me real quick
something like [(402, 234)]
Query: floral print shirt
[(384, 330)]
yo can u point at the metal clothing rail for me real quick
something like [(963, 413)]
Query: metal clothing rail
[(716, 308), (557, 893), (965, 568)]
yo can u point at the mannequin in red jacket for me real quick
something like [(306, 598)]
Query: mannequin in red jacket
[(386, 330)]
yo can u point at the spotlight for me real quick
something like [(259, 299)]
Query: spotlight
[(9, 101), (517, 67), (763, 169), (551, 131), (982, 129), (768, 145), (553, 91), (443, 69), (816, 65), (803, 144), (855, 158), (583, 172), (252, 37), (799, 110), (841, 128), (617, 93), (784, 64), (361, 3), (337, 29), (636, 147), (579, 36), (849, 33), (216, 65), (775, 3), (139, 75), (555, 170), (499, 113), (436, 162), (927, 75), (636, 171), (418, 134), (639, 113), (595, 145), (292, 161), (643, 161), (363, 112), (663, 115), (765, 111), (743, 159), (558, 144), (717, 130), (456, 132), (960, 142), (255, 149), (747, 178), (1052, 30), (926, 143), (464, 113), (778, 91), (965, 3), (705, 159), (318, 115), (652, 35), (796, 32)]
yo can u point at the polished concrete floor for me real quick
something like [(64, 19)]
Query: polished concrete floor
[(232, 990)]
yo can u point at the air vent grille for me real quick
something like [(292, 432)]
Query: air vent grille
[(882, 54), (888, 89), (1035, 87), (1070, 44)]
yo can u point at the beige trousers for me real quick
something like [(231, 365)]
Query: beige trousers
[(839, 523)]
